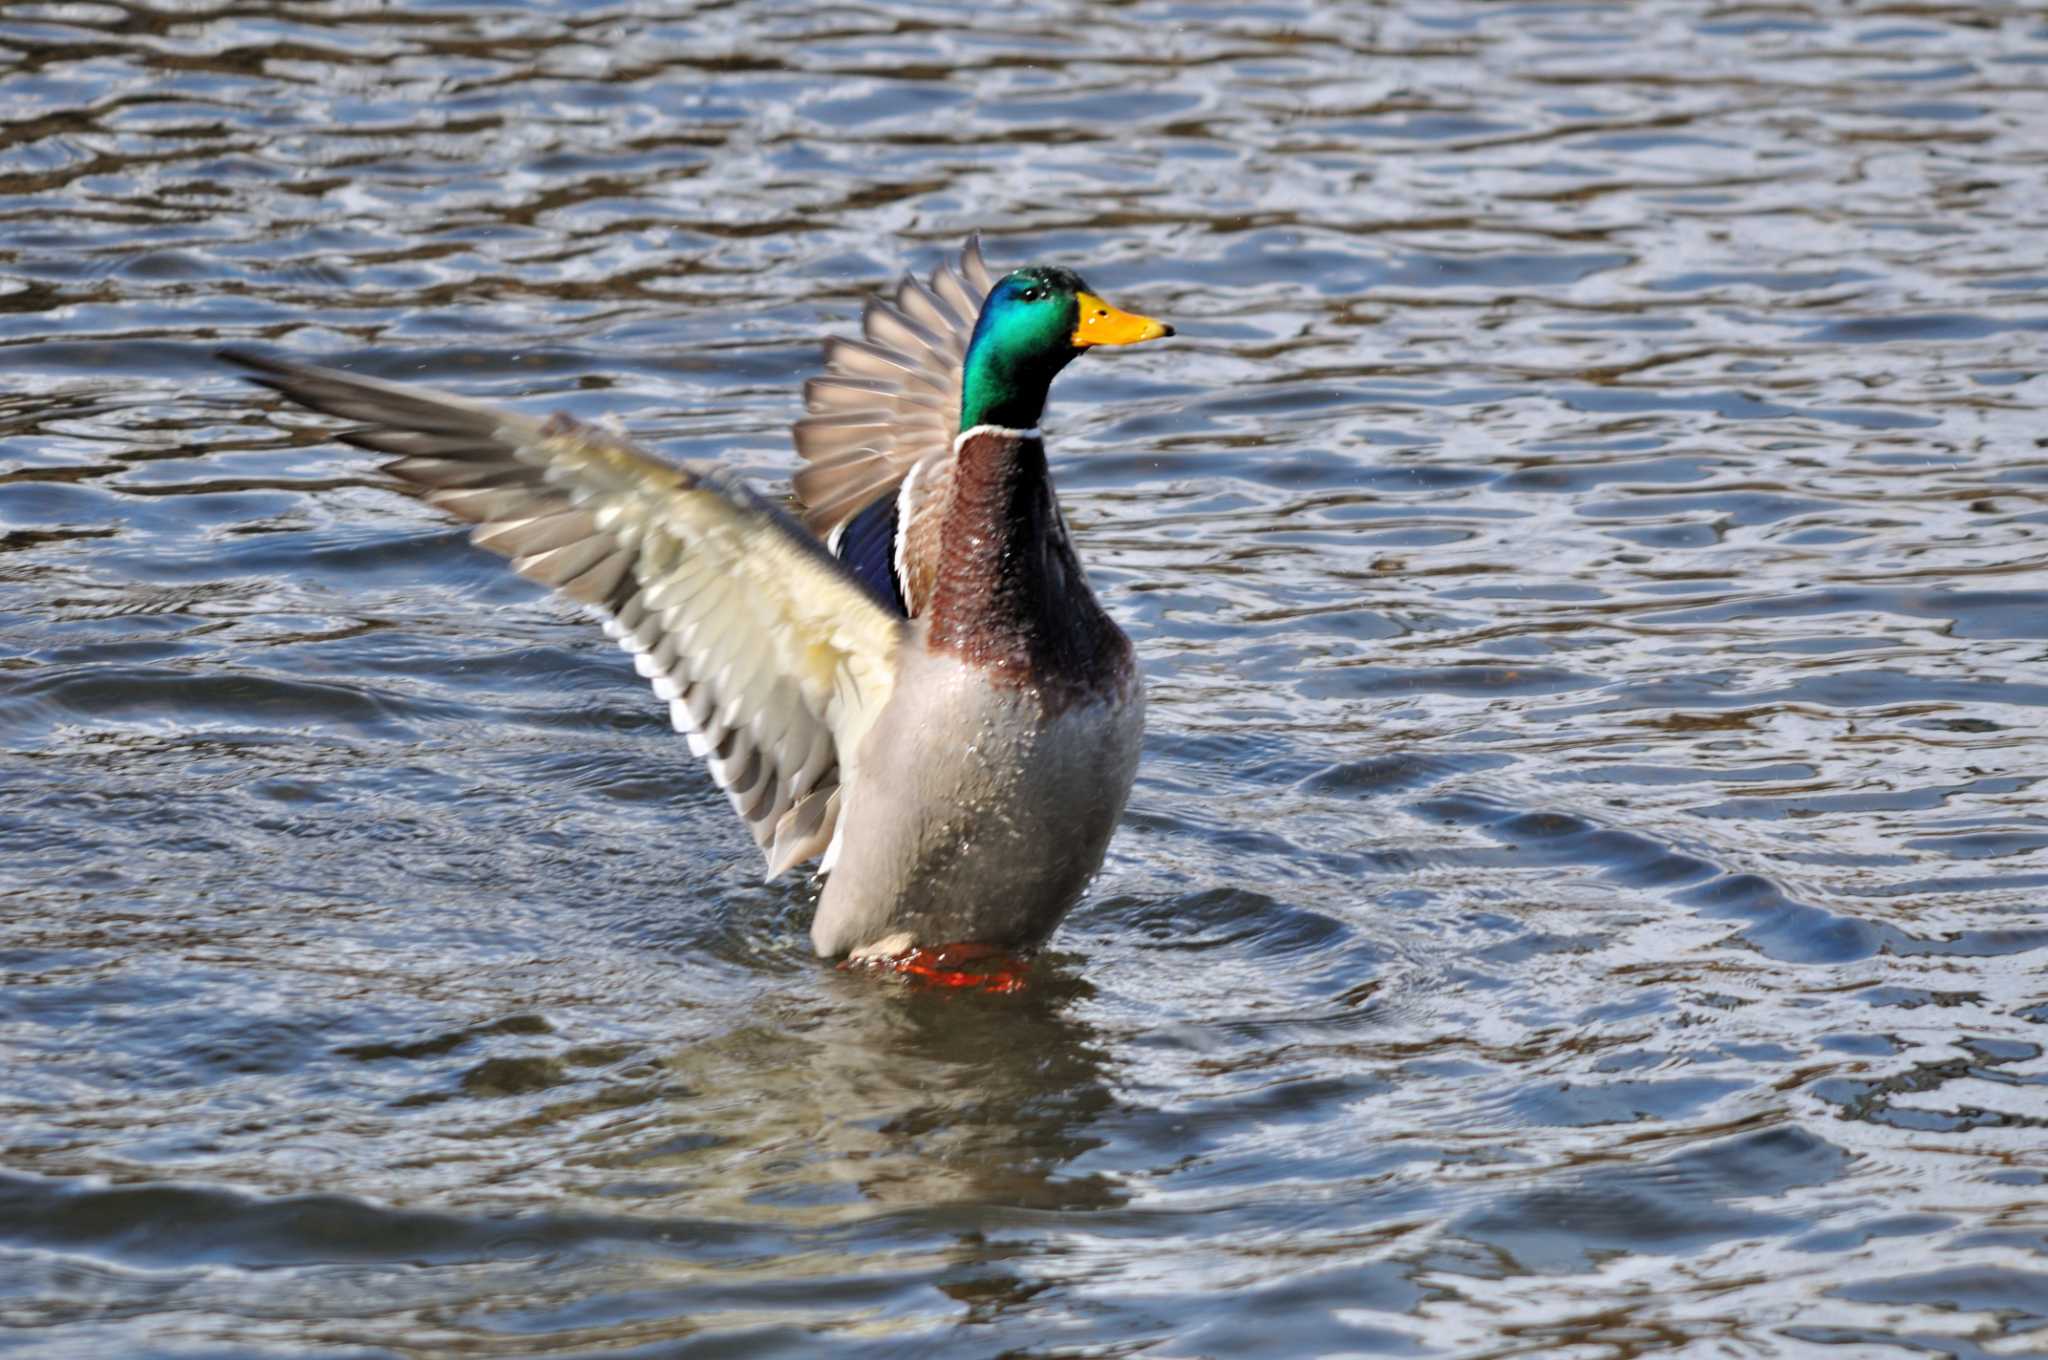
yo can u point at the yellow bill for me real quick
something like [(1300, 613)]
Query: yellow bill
[(1102, 324)]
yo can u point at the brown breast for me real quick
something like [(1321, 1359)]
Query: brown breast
[(1007, 594)]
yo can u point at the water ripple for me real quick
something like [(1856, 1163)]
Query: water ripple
[(1582, 891)]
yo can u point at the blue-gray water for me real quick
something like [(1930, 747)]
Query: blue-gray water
[(1583, 896)]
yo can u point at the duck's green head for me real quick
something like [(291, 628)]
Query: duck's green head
[(1033, 323)]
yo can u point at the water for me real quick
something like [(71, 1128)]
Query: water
[(1582, 895)]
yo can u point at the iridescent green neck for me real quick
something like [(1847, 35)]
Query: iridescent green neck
[(993, 392), (1011, 361)]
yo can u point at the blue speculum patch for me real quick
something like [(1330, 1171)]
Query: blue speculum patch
[(868, 546)]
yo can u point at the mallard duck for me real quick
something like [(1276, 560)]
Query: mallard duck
[(913, 679)]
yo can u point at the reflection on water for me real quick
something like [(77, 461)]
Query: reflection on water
[(876, 1099), (1583, 891)]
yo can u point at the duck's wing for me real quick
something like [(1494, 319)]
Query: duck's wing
[(889, 402), (773, 657), (893, 545)]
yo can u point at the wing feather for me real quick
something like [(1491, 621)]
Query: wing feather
[(773, 658), (924, 306), (891, 401)]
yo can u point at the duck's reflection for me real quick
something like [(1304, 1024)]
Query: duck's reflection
[(851, 1092)]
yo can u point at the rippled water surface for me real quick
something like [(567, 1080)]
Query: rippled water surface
[(1583, 895)]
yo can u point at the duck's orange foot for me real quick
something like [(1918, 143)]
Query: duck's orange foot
[(974, 967)]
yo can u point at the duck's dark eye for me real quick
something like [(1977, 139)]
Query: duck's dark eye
[(1032, 294)]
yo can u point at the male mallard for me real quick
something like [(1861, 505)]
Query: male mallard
[(929, 695)]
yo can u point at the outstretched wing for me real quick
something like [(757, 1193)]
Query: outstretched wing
[(773, 657), (890, 402)]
